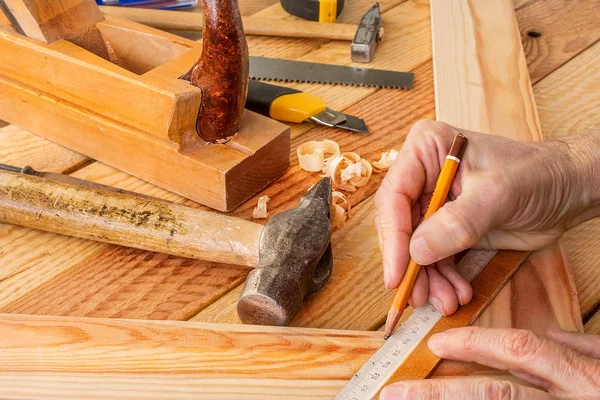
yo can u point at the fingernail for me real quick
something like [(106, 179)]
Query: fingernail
[(438, 304), (386, 275), (393, 392), (420, 252), (436, 341)]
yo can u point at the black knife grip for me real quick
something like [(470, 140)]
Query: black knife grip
[(261, 95), (307, 9)]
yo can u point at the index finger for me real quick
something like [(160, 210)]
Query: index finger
[(416, 169), (399, 190)]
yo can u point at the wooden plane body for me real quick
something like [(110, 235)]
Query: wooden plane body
[(127, 107)]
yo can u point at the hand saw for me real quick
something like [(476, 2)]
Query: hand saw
[(262, 68)]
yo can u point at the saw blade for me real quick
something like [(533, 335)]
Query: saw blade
[(266, 69)]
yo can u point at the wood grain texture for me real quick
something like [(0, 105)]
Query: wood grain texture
[(19, 148), (106, 280), (72, 20), (482, 84), (553, 32), (568, 98), (568, 101), (200, 353), (388, 128), (593, 325), (175, 20)]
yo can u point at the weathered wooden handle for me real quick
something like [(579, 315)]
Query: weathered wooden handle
[(191, 21), (127, 220)]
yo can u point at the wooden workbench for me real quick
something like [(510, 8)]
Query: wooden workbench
[(48, 274)]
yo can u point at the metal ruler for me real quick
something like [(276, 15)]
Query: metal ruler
[(396, 350)]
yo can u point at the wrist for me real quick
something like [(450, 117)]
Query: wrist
[(581, 178)]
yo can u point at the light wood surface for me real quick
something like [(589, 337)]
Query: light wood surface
[(209, 358), (73, 20), (118, 282), (555, 31), (176, 20), (568, 104), (492, 93)]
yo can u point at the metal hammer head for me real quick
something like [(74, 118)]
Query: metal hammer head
[(295, 259), (368, 35)]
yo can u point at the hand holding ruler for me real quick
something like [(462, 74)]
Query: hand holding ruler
[(405, 354)]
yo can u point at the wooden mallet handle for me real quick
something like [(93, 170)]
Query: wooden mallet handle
[(127, 220)]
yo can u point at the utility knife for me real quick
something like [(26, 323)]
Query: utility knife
[(292, 105)]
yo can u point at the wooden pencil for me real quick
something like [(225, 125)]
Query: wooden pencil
[(438, 198)]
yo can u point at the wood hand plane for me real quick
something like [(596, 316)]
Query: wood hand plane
[(163, 108)]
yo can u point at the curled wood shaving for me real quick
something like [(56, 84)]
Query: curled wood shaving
[(386, 160), (260, 212), (340, 209), (313, 155), (348, 171)]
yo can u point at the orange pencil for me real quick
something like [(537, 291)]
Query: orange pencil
[(438, 198)]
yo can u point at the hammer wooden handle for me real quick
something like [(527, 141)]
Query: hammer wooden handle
[(127, 220), (178, 20)]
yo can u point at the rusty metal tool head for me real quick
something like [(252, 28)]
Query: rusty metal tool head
[(221, 72), (295, 259), (368, 35)]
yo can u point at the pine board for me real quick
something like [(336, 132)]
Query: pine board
[(121, 298), (568, 103), (478, 87), (60, 357)]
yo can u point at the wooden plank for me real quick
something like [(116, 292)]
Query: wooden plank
[(213, 356), (553, 32), (19, 148), (479, 80), (568, 101), (568, 98), (491, 84)]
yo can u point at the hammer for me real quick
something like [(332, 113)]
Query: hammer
[(291, 254)]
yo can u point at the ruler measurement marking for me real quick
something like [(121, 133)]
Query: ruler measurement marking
[(395, 351)]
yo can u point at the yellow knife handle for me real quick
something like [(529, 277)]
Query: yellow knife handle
[(282, 103)]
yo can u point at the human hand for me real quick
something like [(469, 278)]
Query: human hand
[(566, 364), (506, 195)]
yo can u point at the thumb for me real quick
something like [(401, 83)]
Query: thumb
[(456, 226)]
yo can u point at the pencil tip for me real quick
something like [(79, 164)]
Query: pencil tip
[(391, 322), (385, 337)]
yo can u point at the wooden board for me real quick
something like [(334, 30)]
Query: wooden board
[(142, 285), (480, 87)]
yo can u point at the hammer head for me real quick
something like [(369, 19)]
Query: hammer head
[(368, 35), (295, 259)]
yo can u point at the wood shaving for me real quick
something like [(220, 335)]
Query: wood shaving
[(314, 155), (340, 209), (348, 171), (260, 212), (386, 160)]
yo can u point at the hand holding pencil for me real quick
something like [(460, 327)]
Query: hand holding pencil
[(438, 198), (505, 195)]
